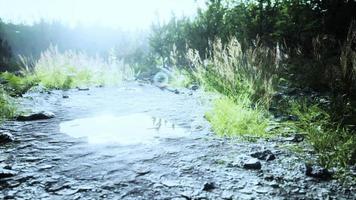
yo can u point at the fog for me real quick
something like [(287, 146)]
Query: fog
[(131, 14)]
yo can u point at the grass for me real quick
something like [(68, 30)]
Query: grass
[(7, 107), (248, 80), (234, 72), (16, 85), (56, 70), (335, 145), (237, 119)]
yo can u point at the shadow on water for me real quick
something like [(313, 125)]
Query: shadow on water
[(124, 130)]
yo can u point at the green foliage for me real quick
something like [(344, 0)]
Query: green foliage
[(310, 33), (75, 69), (234, 72), (7, 107), (232, 119), (335, 145), (16, 85)]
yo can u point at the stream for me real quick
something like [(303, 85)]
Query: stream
[(137, 141)]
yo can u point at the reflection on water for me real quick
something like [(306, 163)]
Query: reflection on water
[(130, 129)]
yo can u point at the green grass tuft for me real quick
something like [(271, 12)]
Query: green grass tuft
[(16, 85), (335, 146), (7, 107), (237, 119), (233, 71), (56, 70)]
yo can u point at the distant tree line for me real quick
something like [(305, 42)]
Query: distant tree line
[(31, 40)]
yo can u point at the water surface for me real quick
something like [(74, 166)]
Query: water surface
[(126, 130)]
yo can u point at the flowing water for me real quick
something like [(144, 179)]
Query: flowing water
[(139, 142)]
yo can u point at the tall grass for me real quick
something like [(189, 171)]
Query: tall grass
[(234, 72), (76, 69), (247, 78)]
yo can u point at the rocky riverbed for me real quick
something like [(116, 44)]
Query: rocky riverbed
[(42, 160)]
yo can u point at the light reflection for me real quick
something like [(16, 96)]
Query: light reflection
[(124, 130)]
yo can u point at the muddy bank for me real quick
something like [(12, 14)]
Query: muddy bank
[(44, 163)]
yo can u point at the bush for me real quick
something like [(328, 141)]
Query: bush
[(237, 119)]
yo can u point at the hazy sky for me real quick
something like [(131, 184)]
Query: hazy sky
[(123, 13)]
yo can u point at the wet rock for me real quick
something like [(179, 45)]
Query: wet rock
[(142, 172), (292, 118), (83, 89), (36, 116), (266, 155), (65, 97), (295, 138), (6, 173), (194, 87), (273, 184), (6, 137), (252, 163), (318, 172), (208, 186), (84, 188)]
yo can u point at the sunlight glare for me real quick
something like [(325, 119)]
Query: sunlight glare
[(114, 13)]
